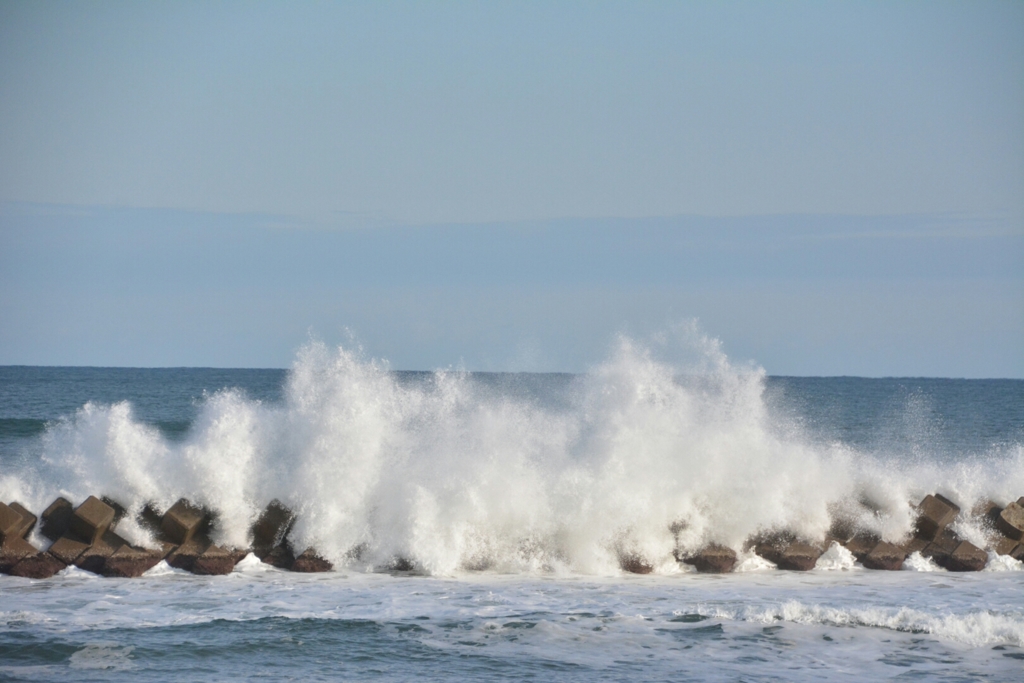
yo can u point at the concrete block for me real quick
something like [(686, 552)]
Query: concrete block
[(987, 510), (28, 520), (67, 549), (237, 554), (400, 564), (129, 562), (713, 559), (793, 555), (841, 531), (914, 545), (272, 527), (310, 561), (57, 518), (935, 512), (150, 520), (862, 544), (38, 566), (119, 511), (186, 554), (280, 556), (91, 520), (213, 561), (1003, 545), (95, 556), (942, 547), (1011, 521), (799, 557), (182, 521), (10, 523), (967, 557), (13, 551), (885, 556), (635, 563)]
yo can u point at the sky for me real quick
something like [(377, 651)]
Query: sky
[(829, 188)]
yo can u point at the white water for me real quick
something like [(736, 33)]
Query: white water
[(455, 476)]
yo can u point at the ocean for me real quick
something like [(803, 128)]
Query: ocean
[(513, 496)]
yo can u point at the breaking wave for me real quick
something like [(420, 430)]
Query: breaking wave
[(642, 456)]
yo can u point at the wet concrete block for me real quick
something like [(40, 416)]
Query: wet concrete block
[(1018, 552), (1011, 521), (129, 562), (987, 510), (28, 520), (799, 557), (57, 518), (967, 557), (885, 556), (182, 521), (942, 547), (213, 561), (635, 563), (862, 544), (67, 549), (185, 555), (14, 550), (712, 559), (841, 531), (935, 512), (91, 520), (10, 523), (310, 561), (119, 510), (272, 527), (95, 556), (769, 550), (400, 564), (281, 556), (150, 519), (38, 566), (1002, 545), (914, 545), (792, 555)]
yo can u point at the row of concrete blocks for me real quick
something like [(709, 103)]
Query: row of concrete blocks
[(86, 537), (932, 538)]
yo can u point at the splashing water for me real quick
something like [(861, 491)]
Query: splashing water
[(643, 456)]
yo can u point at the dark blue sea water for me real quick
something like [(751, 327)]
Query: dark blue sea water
[(512, 494)]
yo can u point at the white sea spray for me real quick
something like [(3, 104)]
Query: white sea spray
[(644, 458)]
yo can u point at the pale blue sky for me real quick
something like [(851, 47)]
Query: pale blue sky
[(831, 188)]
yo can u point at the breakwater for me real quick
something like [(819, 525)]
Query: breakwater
[(86, 536)]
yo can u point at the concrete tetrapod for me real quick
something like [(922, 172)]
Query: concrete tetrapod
[(10, 523), (1011, 521), (91, 520), (712, 559), (935, 512), (885, 556), (57, 518)]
